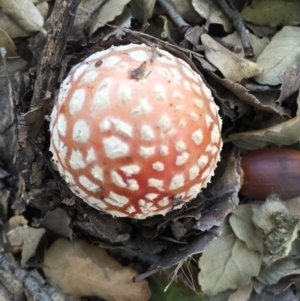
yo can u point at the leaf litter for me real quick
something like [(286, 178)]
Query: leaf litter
[(257, 90)]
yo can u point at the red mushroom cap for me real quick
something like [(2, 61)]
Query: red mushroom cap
[(135, 131)]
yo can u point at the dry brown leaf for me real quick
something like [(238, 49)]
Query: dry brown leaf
[(85, 11), (286, 133), (290, 79), (231, 66), (24, 13), (211, 11), (243, 293), (15, 229), (81, 269), (170, 32), (266, 104), (8, 44), (13, 29), (14, 65), (31, 240), (298, 103), (186, 10), (43, 8), (107, 13), (142, 10), (227, 263), (121, 21), (21, 237), (282, 52)]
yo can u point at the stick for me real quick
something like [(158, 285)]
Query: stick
[(174, 15), (238, 23)]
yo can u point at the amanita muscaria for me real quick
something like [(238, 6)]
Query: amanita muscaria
[(135, 131)]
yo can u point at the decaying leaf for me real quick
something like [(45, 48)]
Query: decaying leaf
[(286, 133), (107, 12), (8, 44), (210, 11), (278, 228), (227, 263), (272, 13), (271, 274), (142, 10), (81, 269), (177, 254), (24, 13), (244, 228), (282, 52), (225, 191), (243, 94), (231, 66)]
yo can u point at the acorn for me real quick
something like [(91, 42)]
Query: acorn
[(269, 171)]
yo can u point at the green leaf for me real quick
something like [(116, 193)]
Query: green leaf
[(227, 263), (175, 292), (272, 13)]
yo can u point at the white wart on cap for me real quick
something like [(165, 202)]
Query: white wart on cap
[(135, 133)]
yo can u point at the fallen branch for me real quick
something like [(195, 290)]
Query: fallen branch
[(31, 123)]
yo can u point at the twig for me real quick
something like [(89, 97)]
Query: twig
[(174, 15), (9, 120), (260, 88), (238, 23), (32, 280), (232, 47), (138, 35)]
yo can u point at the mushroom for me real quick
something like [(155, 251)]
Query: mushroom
[(135, 131)]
